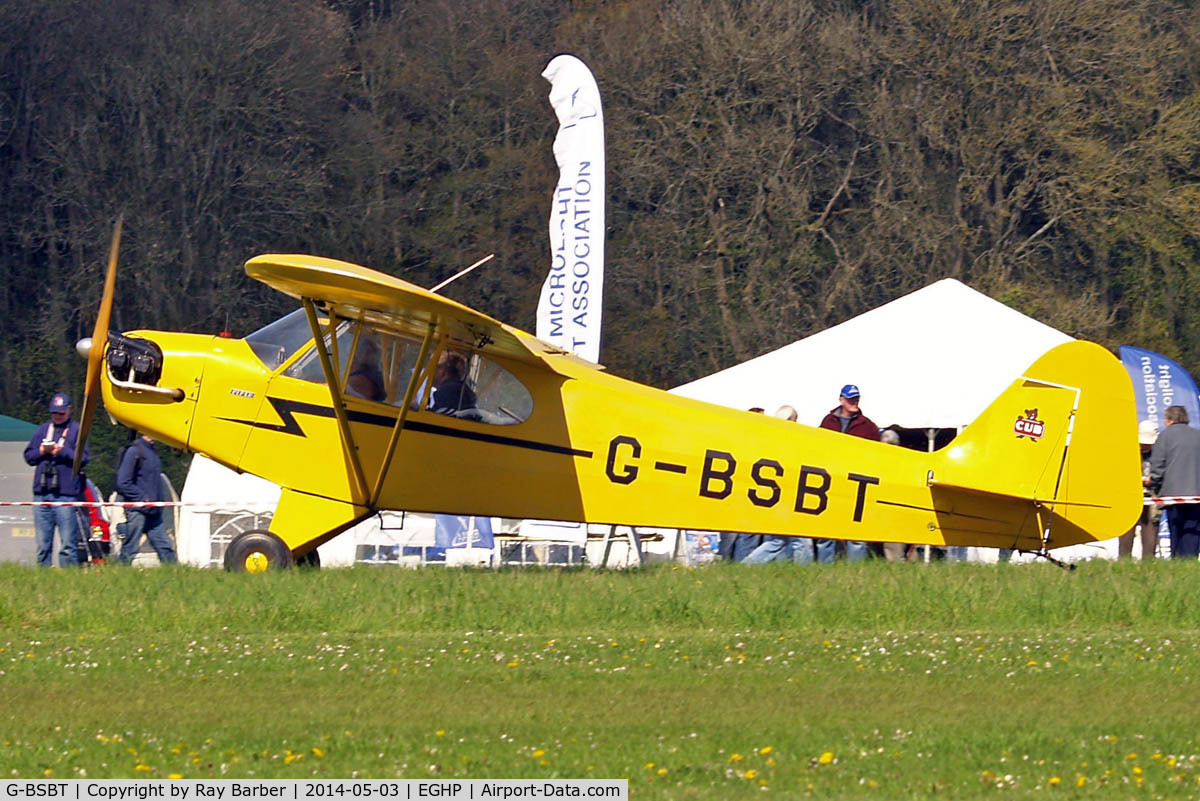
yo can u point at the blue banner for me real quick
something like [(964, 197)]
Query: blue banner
[(462, 531), (1158, 383)]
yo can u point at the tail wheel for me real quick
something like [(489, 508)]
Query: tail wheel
[(257, 551)]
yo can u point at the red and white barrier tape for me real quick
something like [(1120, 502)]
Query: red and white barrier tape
[(137, 504), (1174, 500)]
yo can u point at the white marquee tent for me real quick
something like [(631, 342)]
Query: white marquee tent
[(935, 358)]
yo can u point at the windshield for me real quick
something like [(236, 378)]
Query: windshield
[(275, 342)]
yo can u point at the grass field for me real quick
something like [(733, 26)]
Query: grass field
[(871, 680)]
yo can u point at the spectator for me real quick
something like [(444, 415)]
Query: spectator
[(94, 540), (736, 546), (892, 551), (1175, 473), (1147, 524), (139, 479), (775, 547), (849, 419), (52, 452)]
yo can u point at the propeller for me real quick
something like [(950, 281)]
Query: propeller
[(95, 348)]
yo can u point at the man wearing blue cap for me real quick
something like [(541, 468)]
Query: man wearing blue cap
[(849, 419), (51, 452)]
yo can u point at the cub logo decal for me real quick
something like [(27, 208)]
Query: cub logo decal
[(1029, 425)]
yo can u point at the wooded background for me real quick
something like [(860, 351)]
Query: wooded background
[(774, 166)]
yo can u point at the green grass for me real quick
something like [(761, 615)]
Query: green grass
[(872, 680)]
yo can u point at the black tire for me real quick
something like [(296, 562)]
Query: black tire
[(310, 561), (257, 551)]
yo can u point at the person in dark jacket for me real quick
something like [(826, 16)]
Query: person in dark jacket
[(1175, 473), (451, 391), (849, 419), (139, 479), (51, 452)]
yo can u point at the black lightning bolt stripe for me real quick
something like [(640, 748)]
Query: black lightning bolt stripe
[(287, 411)]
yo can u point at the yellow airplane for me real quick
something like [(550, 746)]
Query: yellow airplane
[(378, 394)]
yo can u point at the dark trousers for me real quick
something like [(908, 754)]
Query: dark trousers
[(1184, 522)]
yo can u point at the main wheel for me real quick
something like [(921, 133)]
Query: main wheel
[(310, 560), (257, 551)]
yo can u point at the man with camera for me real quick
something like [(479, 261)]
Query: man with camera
[(51, 453)]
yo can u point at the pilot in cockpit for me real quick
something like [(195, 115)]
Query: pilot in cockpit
[(451, 390)]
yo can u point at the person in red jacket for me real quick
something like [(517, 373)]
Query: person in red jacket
[(849, 419)]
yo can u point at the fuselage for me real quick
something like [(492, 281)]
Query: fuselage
[(563, 441)]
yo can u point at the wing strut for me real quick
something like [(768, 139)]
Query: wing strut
[(339, 404), (409, 393)]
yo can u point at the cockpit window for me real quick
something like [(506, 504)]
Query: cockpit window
[(471, 387), (377, 365), (275, 342), (380, 363)]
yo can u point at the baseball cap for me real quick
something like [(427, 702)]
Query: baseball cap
[(60, 402), (850, 391), (1147, 432)]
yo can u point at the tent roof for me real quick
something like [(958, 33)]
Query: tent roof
[(934, 358), (14, 430)]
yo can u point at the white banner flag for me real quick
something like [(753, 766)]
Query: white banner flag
[(568, 313)]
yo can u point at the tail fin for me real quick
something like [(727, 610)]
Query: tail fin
[(1063, 436)]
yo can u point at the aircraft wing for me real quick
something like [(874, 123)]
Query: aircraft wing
[(355, 291)]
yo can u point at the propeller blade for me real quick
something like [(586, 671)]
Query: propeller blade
[(91, 387)]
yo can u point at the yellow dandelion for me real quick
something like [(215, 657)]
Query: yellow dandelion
[(752, 774), (142, 768), (318, 752), (440, 732), (1031, 663), (1131, 756), (174, 775), (825, 758), (1054, 781), (48, 772), (649, 766), (766, 749), (771, 762), (736, 757), (543, 762), (1080, 781), (661, 771), (987, 777), (541, 752), (1137, 770)]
